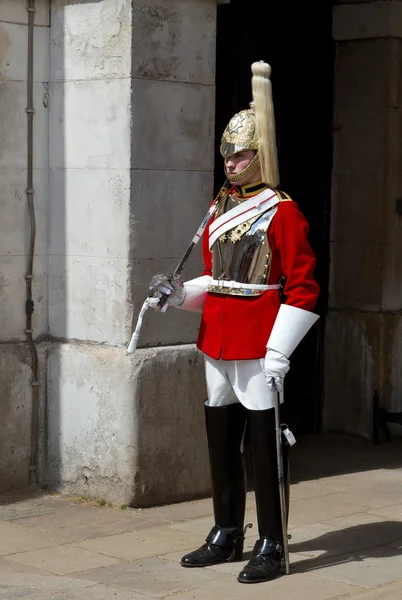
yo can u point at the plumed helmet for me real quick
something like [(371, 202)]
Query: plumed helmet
[(254, 129)]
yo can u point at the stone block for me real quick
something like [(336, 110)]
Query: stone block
[(16, 412), (391, 360), (13, 296), (157, 398), (391, 290), (391, 297), (15, 226), (358, 209), (89, 212), (394, 143), (173, 126), (13, 126), (16, 403), (163, 33), (356, 275), (16, 12), (90, 124), (362, 73), (360, 138), (91, 40), (167, 209), (92, 423), (172, 451), (87, 298), (365, 20), (397, 87), (14, 52), (351, 372)]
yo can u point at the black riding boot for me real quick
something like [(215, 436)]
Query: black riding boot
[(225, 429), (267, 558)]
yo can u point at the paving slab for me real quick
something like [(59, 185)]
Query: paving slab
[(380, 496), (142, 544), (203, 526), (366, 569), (23, 581), (316, 488), (393, 512), (386, 592), (155, 577), (345, 522), (23, 509), (62, 560), (15, 538), (11, 570), (346, 534), (292, 587), (312, 510), (79, 522), (95, 592), (182, 510)]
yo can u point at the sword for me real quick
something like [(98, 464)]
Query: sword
[(281, 478), (178, 270)]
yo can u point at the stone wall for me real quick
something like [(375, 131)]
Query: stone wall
[(131, 176), (363, 347), (15, 356)]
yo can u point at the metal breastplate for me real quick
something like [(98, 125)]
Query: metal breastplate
[(243, 254)]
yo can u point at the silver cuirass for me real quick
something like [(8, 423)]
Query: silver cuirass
[(243, 255)]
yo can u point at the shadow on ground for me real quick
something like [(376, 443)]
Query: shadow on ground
[(326, 455)]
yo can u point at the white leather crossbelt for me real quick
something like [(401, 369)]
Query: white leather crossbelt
[(234, 288)]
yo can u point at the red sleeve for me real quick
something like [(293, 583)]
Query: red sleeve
[(289, 237)]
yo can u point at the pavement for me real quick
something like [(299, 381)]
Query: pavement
[(345, 523)]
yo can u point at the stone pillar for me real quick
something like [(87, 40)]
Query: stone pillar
[(363, 349), (131, 176), (15, 356)]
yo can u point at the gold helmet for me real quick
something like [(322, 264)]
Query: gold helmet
[(254, 129)]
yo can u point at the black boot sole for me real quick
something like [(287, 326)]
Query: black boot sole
[(261, 580), (236, 556)]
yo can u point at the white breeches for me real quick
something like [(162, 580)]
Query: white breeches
[(231, 381)]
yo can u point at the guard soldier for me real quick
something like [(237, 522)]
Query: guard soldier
[(256, 294)]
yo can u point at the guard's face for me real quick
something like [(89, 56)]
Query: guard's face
[(240, 161)]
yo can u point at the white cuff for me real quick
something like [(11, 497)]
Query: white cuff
[(290, 327), (196, 291)]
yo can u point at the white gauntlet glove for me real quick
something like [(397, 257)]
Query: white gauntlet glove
[(290, 327), (165, 291), (276, 365)]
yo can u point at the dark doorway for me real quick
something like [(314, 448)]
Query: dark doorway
[(296, 40)]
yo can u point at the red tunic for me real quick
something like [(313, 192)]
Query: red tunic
[(238, 328)]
